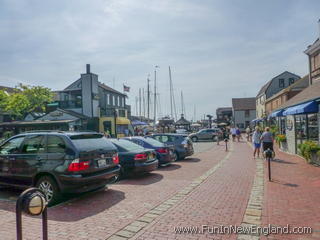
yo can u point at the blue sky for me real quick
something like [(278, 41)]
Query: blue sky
[(217, 49)]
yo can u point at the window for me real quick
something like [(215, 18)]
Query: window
[(291, 81), (56, 144), (108, 99), (113, 100), (247, 113), (313, 127), (33, 144), (118, 101), (123, 99), (281, 83), (12, 146)]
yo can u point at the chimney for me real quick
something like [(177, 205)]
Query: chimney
[(88, 68)]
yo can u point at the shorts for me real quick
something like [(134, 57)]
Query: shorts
[(267, 145), (233, 135), (257, 145)]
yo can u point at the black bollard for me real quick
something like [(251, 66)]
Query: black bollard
[(269, 154), (226, 141), (32, 202)]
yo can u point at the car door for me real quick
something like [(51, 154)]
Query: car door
[(57, 153), (209, 133), (202, 134), (33, 156), (8, 154)]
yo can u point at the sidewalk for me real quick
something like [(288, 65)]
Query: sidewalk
[(293, 197)]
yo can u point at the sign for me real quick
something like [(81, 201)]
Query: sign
[(289, 124)]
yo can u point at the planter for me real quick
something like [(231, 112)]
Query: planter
[(315, 158), (284, 146)]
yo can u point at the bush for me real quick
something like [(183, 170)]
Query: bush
[(281, 138), (308, 148), (274, 130)]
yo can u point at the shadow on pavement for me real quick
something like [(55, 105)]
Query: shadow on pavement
[(285, 183), (190, 160), (170, 167), (85, 206), (282, 161), (146, 179)]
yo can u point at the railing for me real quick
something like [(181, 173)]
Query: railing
[(70, 104)]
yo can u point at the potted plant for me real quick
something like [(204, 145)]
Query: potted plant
[(281, 139), (310, 151)]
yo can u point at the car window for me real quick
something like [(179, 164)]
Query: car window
[(56, 145), (127, 145), (158, 138), (139, 142), (12, 146), (90, 142), (153, 142), (33, 144)]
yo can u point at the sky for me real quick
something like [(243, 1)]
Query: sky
[(217, 49)]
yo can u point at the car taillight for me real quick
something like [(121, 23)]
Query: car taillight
[(76, 165), (115, 158), (140, 156), (162, 150)]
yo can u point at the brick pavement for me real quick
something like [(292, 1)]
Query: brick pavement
[(220, 200), (103, 213), (293, 197)]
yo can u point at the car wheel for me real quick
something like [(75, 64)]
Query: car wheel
[(175, 156), (50, 189), (194, 139)]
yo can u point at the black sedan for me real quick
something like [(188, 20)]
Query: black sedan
[(165, 154), (134, 158)]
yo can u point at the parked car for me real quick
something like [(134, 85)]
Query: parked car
[(165, 154), (134, 158), (205, 134), (58, 162), (182, 144)]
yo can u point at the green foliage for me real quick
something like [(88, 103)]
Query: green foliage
[(27, 99), (308, 148), (274, 130), (281, 138), (3, 100)]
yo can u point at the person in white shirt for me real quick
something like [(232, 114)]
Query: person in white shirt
[(233, 131), (256, 140)]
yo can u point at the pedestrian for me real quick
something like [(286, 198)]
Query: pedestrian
[(267, 140), (248, 132), (256, 140), (238, 134), (233, 131)]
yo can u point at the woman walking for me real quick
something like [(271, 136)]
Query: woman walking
[(267, 140), (256, 141)]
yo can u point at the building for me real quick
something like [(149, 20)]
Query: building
[(224, 115), (278, 99), (299, 117), (244, 111), (271, 88)]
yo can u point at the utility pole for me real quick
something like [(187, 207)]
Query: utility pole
[(148, 99), (171, 93)]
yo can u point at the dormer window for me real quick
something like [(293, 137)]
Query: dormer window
[(281, 83)]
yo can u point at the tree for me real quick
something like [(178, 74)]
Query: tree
[(27, 99), (3, 100)]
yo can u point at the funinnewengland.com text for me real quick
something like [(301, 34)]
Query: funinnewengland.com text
[(248, 230)]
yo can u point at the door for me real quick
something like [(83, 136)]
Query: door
[(57, 153), (8, 154), (202, 134), (32, 157)]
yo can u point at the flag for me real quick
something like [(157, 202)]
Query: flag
[(126, 88)]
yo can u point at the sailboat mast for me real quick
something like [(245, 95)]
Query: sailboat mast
[(171, 93), (155, 100), (148, 99)]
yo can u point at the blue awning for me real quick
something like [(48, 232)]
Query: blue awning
[(278, 113), (138, 123), (309, 107), (257, 120)]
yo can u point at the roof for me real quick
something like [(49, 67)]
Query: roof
[(310, 93), (8, 89), (182, 121), (300, 84), (244, 103), (266, 86), (224, 109), (73, 113), (313, 47), (102, 85), (35, 122)]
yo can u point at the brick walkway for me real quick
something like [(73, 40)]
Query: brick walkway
[(293, 197), (220, 200)]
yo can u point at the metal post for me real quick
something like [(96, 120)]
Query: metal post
[(45, 224), (269, 169), (19, 219)]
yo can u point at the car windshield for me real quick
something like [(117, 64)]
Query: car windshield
[(127, 145), (153, 142), (89, 142)]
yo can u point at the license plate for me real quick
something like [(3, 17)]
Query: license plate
[(102, 163)]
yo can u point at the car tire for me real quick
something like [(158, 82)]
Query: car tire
[(176, 156), (194, 139), (50, 188)]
